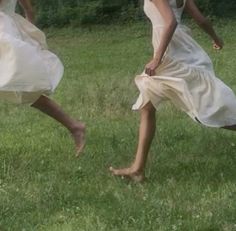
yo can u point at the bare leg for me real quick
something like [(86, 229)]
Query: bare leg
[(77, 129), (146, 134)]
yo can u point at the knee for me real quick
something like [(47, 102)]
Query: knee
[(149, 108)]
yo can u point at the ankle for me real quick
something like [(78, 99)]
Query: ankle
[(137, 169)]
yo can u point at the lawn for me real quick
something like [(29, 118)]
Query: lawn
[(191, 170)]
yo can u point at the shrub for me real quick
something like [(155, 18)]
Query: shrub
[(76, 12)]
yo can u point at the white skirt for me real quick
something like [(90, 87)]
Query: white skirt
[(27, 68), (187, 79)]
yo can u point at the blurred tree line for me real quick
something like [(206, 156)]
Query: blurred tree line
[(79, 12)]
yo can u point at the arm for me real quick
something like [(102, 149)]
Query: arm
[(28, 9), (195, 13), (168, 31)]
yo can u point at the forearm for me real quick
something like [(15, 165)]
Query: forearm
[(208, 28), (28, 9), (192, 9), (166, 37), (169, 27), (26, 5)]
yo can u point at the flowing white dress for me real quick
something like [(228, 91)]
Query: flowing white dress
[(186, 76), (27, 68)]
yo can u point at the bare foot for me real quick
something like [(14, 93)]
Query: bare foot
[(78, 135), (136, 176)]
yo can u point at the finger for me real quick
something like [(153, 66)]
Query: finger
[(147, 71), (152, 72), (217, 47)]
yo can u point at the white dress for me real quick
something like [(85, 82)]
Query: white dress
[(186, 76), (27, 68)]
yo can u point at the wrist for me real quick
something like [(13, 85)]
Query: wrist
[(214, 35), (30, 16), (217, 38), (29, 11), (157, 58)]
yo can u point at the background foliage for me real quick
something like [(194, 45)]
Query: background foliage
[(79, 12)]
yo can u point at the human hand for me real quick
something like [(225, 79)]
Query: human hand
[(151, 67), (218, 43)]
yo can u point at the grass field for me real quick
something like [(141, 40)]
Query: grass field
[(191, 169)]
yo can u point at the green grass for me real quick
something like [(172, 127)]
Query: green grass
[(191, 169)]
